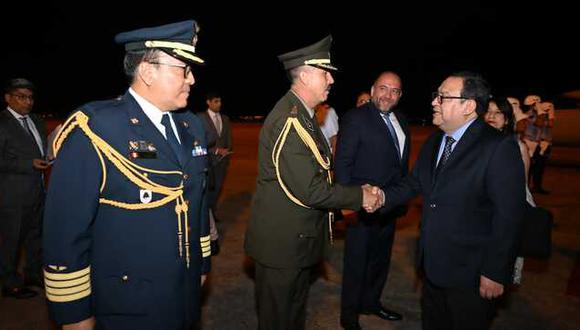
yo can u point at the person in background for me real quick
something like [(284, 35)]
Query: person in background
[(126, 238), (362, 98), (327, 119), (373, 147), (219, 141), (500, 115), (22, 193)]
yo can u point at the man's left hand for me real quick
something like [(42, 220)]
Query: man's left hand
[(489, 289)]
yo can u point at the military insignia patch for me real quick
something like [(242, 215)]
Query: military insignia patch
[(198, 150), (308, 123), (142, 149), (134, 121), (145, 196)]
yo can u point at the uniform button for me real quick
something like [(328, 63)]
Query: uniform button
[(433, 205), (320, 170), (145, 174), (301, 236), (185, 176), (125, 278)]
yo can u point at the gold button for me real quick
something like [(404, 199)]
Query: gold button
[(145, 174), (125, 278), (185, 176)]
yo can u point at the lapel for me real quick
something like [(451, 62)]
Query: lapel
[(310, 125), (211, 124), (40, 128), (435, 153), (465, 144), (379, 122), (23, 134), (188, 139), (145, 130)]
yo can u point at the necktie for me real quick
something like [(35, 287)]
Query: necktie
[(387, 121), (218, 123), (446, 151), (29, 131), (170, 136)]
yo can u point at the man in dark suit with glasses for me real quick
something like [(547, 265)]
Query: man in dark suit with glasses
[(471, 178)]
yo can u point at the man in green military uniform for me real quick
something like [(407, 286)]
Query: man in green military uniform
[(289, 226)]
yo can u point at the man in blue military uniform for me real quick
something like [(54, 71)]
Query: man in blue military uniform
[(126, 237)]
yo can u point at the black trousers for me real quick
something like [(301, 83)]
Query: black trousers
[(538, 167), (367, 257), (21, 227), (281, 295), (454, 309)]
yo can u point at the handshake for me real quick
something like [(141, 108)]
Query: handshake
[(373, 198)]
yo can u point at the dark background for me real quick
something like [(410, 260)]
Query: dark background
[(67, 50)]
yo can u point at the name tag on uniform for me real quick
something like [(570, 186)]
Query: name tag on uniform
[(198, 150), (142, 149)]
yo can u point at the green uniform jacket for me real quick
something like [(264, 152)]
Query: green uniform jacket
[(282, 234)]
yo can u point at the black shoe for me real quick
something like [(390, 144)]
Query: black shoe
[(350, 325), (215, 247), (19, 293), (385, 314)]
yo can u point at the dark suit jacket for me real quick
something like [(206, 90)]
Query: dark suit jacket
[(366, 152), (18, 179), (138, 280), (282, 234), (213, 139), (472, 213), (219, 165)]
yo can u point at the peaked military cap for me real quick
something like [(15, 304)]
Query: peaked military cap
[(316, 55), (176, 39)]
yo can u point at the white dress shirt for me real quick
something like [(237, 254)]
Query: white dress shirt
[(154, 114)]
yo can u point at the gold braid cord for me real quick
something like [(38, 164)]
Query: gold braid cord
[(135, 173), (293, 122)]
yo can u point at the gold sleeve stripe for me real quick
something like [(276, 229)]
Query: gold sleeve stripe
[(67, 284), (204, 239), (68, 298), (205, 249), (204, 244), (67, 276), (68, 291), (206, 254)]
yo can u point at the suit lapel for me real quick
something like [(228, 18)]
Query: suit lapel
[(24, 136), (435, 153), (310, 125), (465, 143), (144, 129), (379, 122), (188, 140)]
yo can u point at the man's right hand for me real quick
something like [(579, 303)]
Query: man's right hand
[(40, 164), (88, 324), (372, 198)]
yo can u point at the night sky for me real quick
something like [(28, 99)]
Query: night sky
[(69, 52)]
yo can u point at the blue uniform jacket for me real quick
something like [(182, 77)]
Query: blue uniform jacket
[(126, 267)]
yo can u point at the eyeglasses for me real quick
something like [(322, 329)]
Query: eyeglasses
[(186, 68), (440, 98), (21, 97)]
